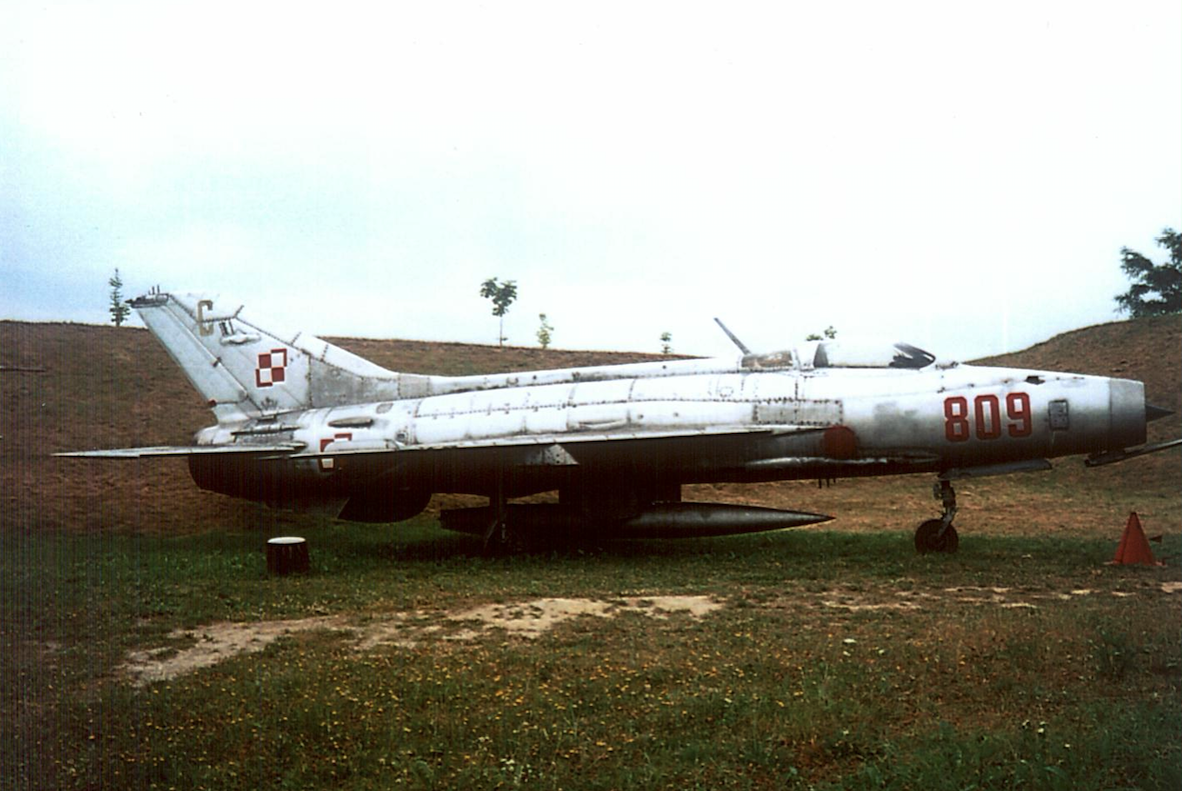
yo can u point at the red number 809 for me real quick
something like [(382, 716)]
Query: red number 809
[(984, 420)]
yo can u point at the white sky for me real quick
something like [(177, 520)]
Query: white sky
[(959, 175)]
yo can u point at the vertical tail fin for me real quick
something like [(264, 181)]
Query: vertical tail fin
[(244, 370)]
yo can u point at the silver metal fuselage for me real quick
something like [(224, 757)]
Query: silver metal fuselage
[(693, 421)]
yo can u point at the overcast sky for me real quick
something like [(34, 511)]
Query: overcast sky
[(960, 175)]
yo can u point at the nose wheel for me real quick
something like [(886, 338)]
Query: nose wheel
[(938, 535)]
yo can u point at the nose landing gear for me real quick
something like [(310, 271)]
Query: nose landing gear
[(938, 535)]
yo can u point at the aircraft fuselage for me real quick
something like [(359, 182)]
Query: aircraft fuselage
[(668, 430)]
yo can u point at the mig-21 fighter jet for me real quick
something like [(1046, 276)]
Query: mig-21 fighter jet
[(303, 424)]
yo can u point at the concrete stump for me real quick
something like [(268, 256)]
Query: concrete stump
[(287, 555)]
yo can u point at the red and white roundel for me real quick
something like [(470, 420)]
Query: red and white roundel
[(271, 369), (327, 465)]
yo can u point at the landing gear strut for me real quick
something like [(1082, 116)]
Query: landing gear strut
[(938, 535), (496, 535)]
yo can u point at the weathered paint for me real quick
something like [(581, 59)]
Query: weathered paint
[(310, 425)]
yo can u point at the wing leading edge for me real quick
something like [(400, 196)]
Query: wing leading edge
[(161, 451), (338, 448)]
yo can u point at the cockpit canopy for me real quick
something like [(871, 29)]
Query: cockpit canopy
[(844, 354)]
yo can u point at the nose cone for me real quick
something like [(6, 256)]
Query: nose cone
[(1153, 413), (1128, 413)]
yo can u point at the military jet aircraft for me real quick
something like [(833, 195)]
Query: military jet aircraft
[(305, 425)]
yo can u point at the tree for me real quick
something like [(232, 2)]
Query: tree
[(544, 331), (829, 334), (666, 343), (1156, 288), (119, 310), (502, 296)]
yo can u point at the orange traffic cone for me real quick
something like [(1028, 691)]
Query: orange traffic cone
[(1134, 547)]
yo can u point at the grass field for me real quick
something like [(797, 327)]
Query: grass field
[(145, 645), (832, 660)]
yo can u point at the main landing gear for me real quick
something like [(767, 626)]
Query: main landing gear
[(938, 535), (496, 535)]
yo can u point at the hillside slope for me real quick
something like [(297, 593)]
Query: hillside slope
[(1148, 350), (116, 387)]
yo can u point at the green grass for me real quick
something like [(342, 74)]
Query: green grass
[(812, 676)]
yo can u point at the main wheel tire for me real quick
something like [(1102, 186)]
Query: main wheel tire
[(928, 538)]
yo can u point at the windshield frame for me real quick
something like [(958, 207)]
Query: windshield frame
[(834, 354)]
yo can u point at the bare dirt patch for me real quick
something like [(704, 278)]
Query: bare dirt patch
[(528, 620), (889, 597), (531, 620), (214, 643), (194, 649)]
